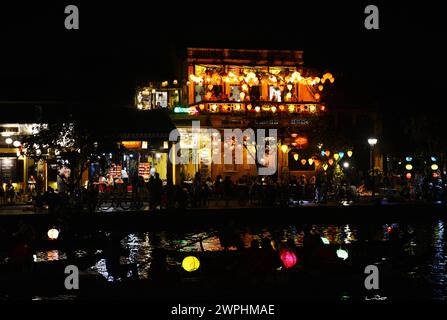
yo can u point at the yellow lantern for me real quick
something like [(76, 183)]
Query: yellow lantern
[(331, 162), (296, 156), (349, 153), (336, 156), (290, 87), (190, 264), (434, 167), (210, 87), (53, 234), (284, 148), (325, 166), (317, 96), (303, 161), (409, 167), (258, 109), (320, 87), (242, 96), (249, 107), (311, 161), (273, 109), (244, 87)]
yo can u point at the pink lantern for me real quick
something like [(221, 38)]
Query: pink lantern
[(288, 258)]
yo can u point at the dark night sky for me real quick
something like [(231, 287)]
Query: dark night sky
[(121, 44)]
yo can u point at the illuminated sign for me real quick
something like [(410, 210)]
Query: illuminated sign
[(131, 144)]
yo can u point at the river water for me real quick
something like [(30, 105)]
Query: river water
[(421, 257)]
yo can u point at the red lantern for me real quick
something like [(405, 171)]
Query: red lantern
[(288, 258)]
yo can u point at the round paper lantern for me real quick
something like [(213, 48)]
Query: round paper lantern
[(409, 167), (53, 234), (408, 176), (434, 167), (342, 254), (190, 264), (349, 153), (288, 258)]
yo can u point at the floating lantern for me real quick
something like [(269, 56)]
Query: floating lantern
[(190, 264), (336, 156), (434, 167), (349, 153), (409, 167), (296, 156), (325, 166), (288, 258), (53, 234), (342, 254), (311, 161), (331, 162), (328, 153)]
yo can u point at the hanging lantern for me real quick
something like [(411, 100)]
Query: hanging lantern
[(244, 87), (310, 161), (242, 96), (290, 87), (53, 234), (408, 176), (325, 166), (258, 109), (281, 108), (296, 156), (434, 167), (320, 87), (331, 162), (328, 153), (288, 258), (273, 109), (323, 153), (409, 167), (336, 156), (303, 161), (190, 264), (341, 154), (349, 153), (284, 148), (249, 107), (342, 254), (317, 96)]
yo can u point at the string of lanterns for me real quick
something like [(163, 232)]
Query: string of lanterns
[(324, 154)]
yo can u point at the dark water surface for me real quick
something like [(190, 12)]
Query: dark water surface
[(415, 268)]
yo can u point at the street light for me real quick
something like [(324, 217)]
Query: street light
[(372, 142)]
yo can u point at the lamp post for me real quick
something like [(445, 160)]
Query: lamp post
[(372, 142)]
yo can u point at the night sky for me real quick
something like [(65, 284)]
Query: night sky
[(120, 45)]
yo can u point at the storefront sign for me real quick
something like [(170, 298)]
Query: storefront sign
[(131, 144)]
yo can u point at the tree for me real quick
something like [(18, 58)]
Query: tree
[(70, 146)]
